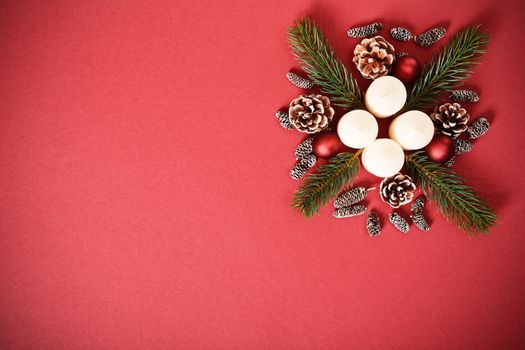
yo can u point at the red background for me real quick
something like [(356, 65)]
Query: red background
[(144, 188)]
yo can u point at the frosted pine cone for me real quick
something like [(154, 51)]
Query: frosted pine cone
[(417, 206), (298, 81), (417, 215), (449, 163), (350, 197), (301, 167), (298, 171), (450, 119), (398, 222), (430, 37), (420, 222), (462, 146), (311, 113), (478, 128), (304, 148), (401, 34), (373, 225), (347, 212), (284, 120), (374, 57), (368, 30), (464, 96), (397, 190), (309, 160)]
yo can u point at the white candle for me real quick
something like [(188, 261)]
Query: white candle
[(383, 158), (385, 96), (357, 128), (412, 130)]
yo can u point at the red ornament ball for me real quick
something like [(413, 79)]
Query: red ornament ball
[(326, 144), (440, 149), (407, 69)]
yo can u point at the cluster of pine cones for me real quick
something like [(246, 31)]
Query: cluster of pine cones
[(374, 56)]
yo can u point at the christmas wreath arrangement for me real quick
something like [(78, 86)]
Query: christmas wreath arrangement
[(425, 136)]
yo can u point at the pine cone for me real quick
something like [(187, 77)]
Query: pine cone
[(284, 119), (398, 222), (450, 119), (464, 96), (298, 81), (351, 197), (373, 225), (417, 206), (420, 222), (348, 212), (374, 57), (368, 30), (397, 190), (302, 166), (449, 163), (311, 113), (462, 146), (304, 148), (478, 128), (430, 37), (417, 215), (401, 34)]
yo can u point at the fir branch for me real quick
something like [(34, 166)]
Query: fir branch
[(454, 199), (449, 68), (321, 187), (318, 60)]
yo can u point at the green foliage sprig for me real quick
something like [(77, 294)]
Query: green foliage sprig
[(321, 187), (449, 68), (318, 60), (453, 198)]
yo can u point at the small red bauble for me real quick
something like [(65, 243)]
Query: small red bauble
[(326, 144), (407, 69), (440, 149)]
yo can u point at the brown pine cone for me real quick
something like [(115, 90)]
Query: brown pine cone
[(311, 113), (374, 57), (397, 190), (450, 119)]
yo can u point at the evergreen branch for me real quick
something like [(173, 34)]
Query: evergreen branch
[(321, 187), (449, 68), (318, 60), (454, 199)]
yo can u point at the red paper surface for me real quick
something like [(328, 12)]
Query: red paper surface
[(144, 188)]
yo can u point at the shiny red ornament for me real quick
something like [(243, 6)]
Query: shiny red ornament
[(440, 149), (407, 69), (326, 144)]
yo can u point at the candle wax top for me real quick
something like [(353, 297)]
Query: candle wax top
[(357, 128), (385, 96)]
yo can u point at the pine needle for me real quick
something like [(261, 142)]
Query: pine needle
[(322, 187), (456, 201), (318, 60), (449, 68)]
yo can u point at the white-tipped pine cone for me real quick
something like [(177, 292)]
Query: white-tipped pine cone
[(374, 57), (397, 190), (430, 37), (311, 113), (450, 119), (373, 225)]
